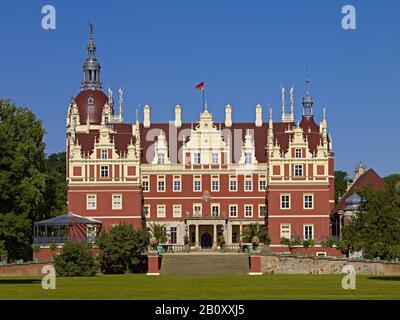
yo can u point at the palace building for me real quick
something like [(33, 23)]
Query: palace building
[(201, 179)]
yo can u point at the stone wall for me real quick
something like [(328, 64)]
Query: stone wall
[(22, 270), (301, 265)]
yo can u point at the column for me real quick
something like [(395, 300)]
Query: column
[(229, 238), (240, 232), (197, 235), (215, 236)]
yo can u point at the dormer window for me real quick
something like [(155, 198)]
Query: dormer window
[(248, 158), (161, 158), (298, 153), (215, 158), (104, 154), (197, 158)]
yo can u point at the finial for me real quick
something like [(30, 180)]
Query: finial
[(324, 112), (91, 27), (307, 80)]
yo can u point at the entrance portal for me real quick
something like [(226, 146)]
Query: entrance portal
[(206, 241)]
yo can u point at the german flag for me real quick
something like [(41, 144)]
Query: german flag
[(200, 86)]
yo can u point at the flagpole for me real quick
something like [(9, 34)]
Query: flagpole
[(204, 89)]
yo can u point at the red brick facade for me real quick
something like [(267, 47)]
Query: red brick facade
[(202, 180)]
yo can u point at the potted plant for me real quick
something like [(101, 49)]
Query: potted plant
[(307, 244), (36, 249)]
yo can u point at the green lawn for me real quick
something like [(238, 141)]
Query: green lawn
[(140, 286)]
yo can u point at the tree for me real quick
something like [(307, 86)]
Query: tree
[(341, 180), (76, 259), (255, 233), (22, 177), (32, 187), (158, 234), (376, 226), (121, 248)]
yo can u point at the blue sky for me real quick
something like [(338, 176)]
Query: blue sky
[(244, 50)]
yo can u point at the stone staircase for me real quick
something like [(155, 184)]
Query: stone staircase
[(199, 263)]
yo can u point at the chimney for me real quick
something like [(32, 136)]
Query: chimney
[(178, 116), (258, 115), (146, 116), (228, 115)]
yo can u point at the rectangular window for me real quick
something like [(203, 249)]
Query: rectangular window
[(146, 211), (298, 170), (215, 158), (297, 153), (197, 185), (104, 154), (262, 185), (248, 210), (117, 201), (177, 211), (177, 185), (308, 201), (160, 185), (197, 158), (214, 185), (285, 231), (161, 211), (173, 234), (161, 158), (262, 210), (308, 232), (233, 210), (91, 202), (104, 171), (247, 158), (145, 186), (248, 185), (232, 185), (215, 210), (285, 201), (197, 210)]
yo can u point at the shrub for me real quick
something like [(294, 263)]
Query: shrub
[(121, 248), (308, 243), (394, 252), (75, 259), (377, 249), (3, 251), (285, 242)]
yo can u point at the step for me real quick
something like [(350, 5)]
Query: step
[(204, 264)]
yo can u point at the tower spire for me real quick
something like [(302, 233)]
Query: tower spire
[(307, 99), (91, 67)]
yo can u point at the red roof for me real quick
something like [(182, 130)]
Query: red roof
[(369, 177), (91, 102), (236, 133)]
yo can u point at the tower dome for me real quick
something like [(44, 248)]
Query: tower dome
[(91, 99)]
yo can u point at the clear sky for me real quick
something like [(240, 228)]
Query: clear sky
[(244, 50)]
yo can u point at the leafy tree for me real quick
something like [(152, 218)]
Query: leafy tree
[(121, 248), (76, 259), (32, 187), (376, 226), (3, 251), (255, 233), (341, 180), (392, 179), (22, 177)]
